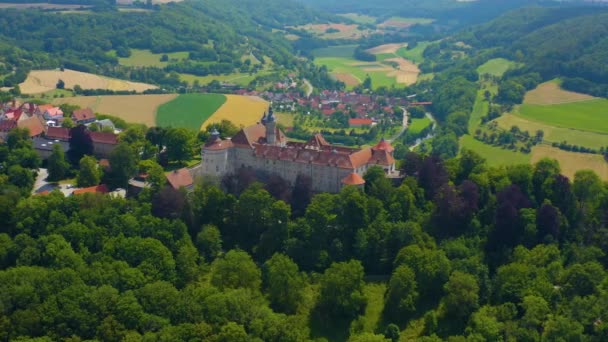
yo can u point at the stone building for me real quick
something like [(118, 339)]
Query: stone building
[(265, 149)]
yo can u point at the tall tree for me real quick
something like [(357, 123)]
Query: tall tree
[(236, 270), (401, 295), (81, 143), (284, 283), (179, 143), (57, 165), (123, 163), (89, 173), (341, 290)]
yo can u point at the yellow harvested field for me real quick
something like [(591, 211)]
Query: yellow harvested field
[(549, 93), (408, 72), (40, 81), (131, 108), (241, 110), (570, 162), (386, 48)]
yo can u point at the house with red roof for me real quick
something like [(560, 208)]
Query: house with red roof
[(104, 143), (359, 122), (83, 116), (34, 125), (52, 113), (96, 189), (180, 179)]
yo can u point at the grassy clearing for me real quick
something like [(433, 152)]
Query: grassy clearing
[(570, 162), (497, 67), (342, 31), (241, 110), (345, 51), (494, 155), (131, 108), (285, 119), (359, 18), (340, 65), (401, 21), (236, 78), (481, 106), (550, 93), (414, 54), (586, 115), (372, 318), (417, 125), (40, 81), (145, 58), (189, 110), (554, 134)]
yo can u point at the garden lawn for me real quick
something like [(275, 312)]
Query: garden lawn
[(189, 110), (497, 67), (495, 156), (585, 115)]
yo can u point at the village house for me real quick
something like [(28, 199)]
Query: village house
[(103, 143), (83, 116), (360, 122), (181, 178)]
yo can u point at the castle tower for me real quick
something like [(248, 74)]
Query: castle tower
[(271, 128)]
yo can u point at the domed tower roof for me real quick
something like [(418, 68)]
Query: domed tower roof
[(384, 145), (353, 179)]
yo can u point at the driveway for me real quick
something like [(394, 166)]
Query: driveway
[(41, 184)]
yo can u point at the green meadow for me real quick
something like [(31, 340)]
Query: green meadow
[(494, 155), (189, 110), (589, 116), (359, 18), (344, 51), (242, 79), (147, 58), (414, 54), (417, 125), (497, 67), (341, 65)]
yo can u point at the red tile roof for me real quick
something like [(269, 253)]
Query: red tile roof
[(317, 141), (34, 125), (58, 133), (104, 138), (100, 189), (255, 134), (359, 122), (328, 111), (382, 157), (179, 178), (384, 145), (353, 179), (218, 144), (83, 114)]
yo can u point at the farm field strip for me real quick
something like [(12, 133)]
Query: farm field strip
[(242, 79), (554, 134), (550, 93), (359, 18), (570, 162), (240, 110), (589, 115), (40, 81), (131, 108), (414, 54), (189, 110)]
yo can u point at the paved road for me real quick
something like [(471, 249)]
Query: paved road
[(41, 184), (404, 124)]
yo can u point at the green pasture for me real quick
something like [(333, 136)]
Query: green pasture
[(410, 21), (414, 54), (188, 110), (481, 107), (584, 115), (417, 125), (494, 155), (356, 68), (345, 51), (497, 67), (145, 58), (554, 134), (359, 18)]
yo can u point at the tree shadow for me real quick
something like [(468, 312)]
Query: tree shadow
[(332, 328)]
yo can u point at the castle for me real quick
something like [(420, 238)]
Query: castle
[(264, 148)]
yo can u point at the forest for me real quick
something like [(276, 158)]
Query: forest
[(217, 34), (466, 252)]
